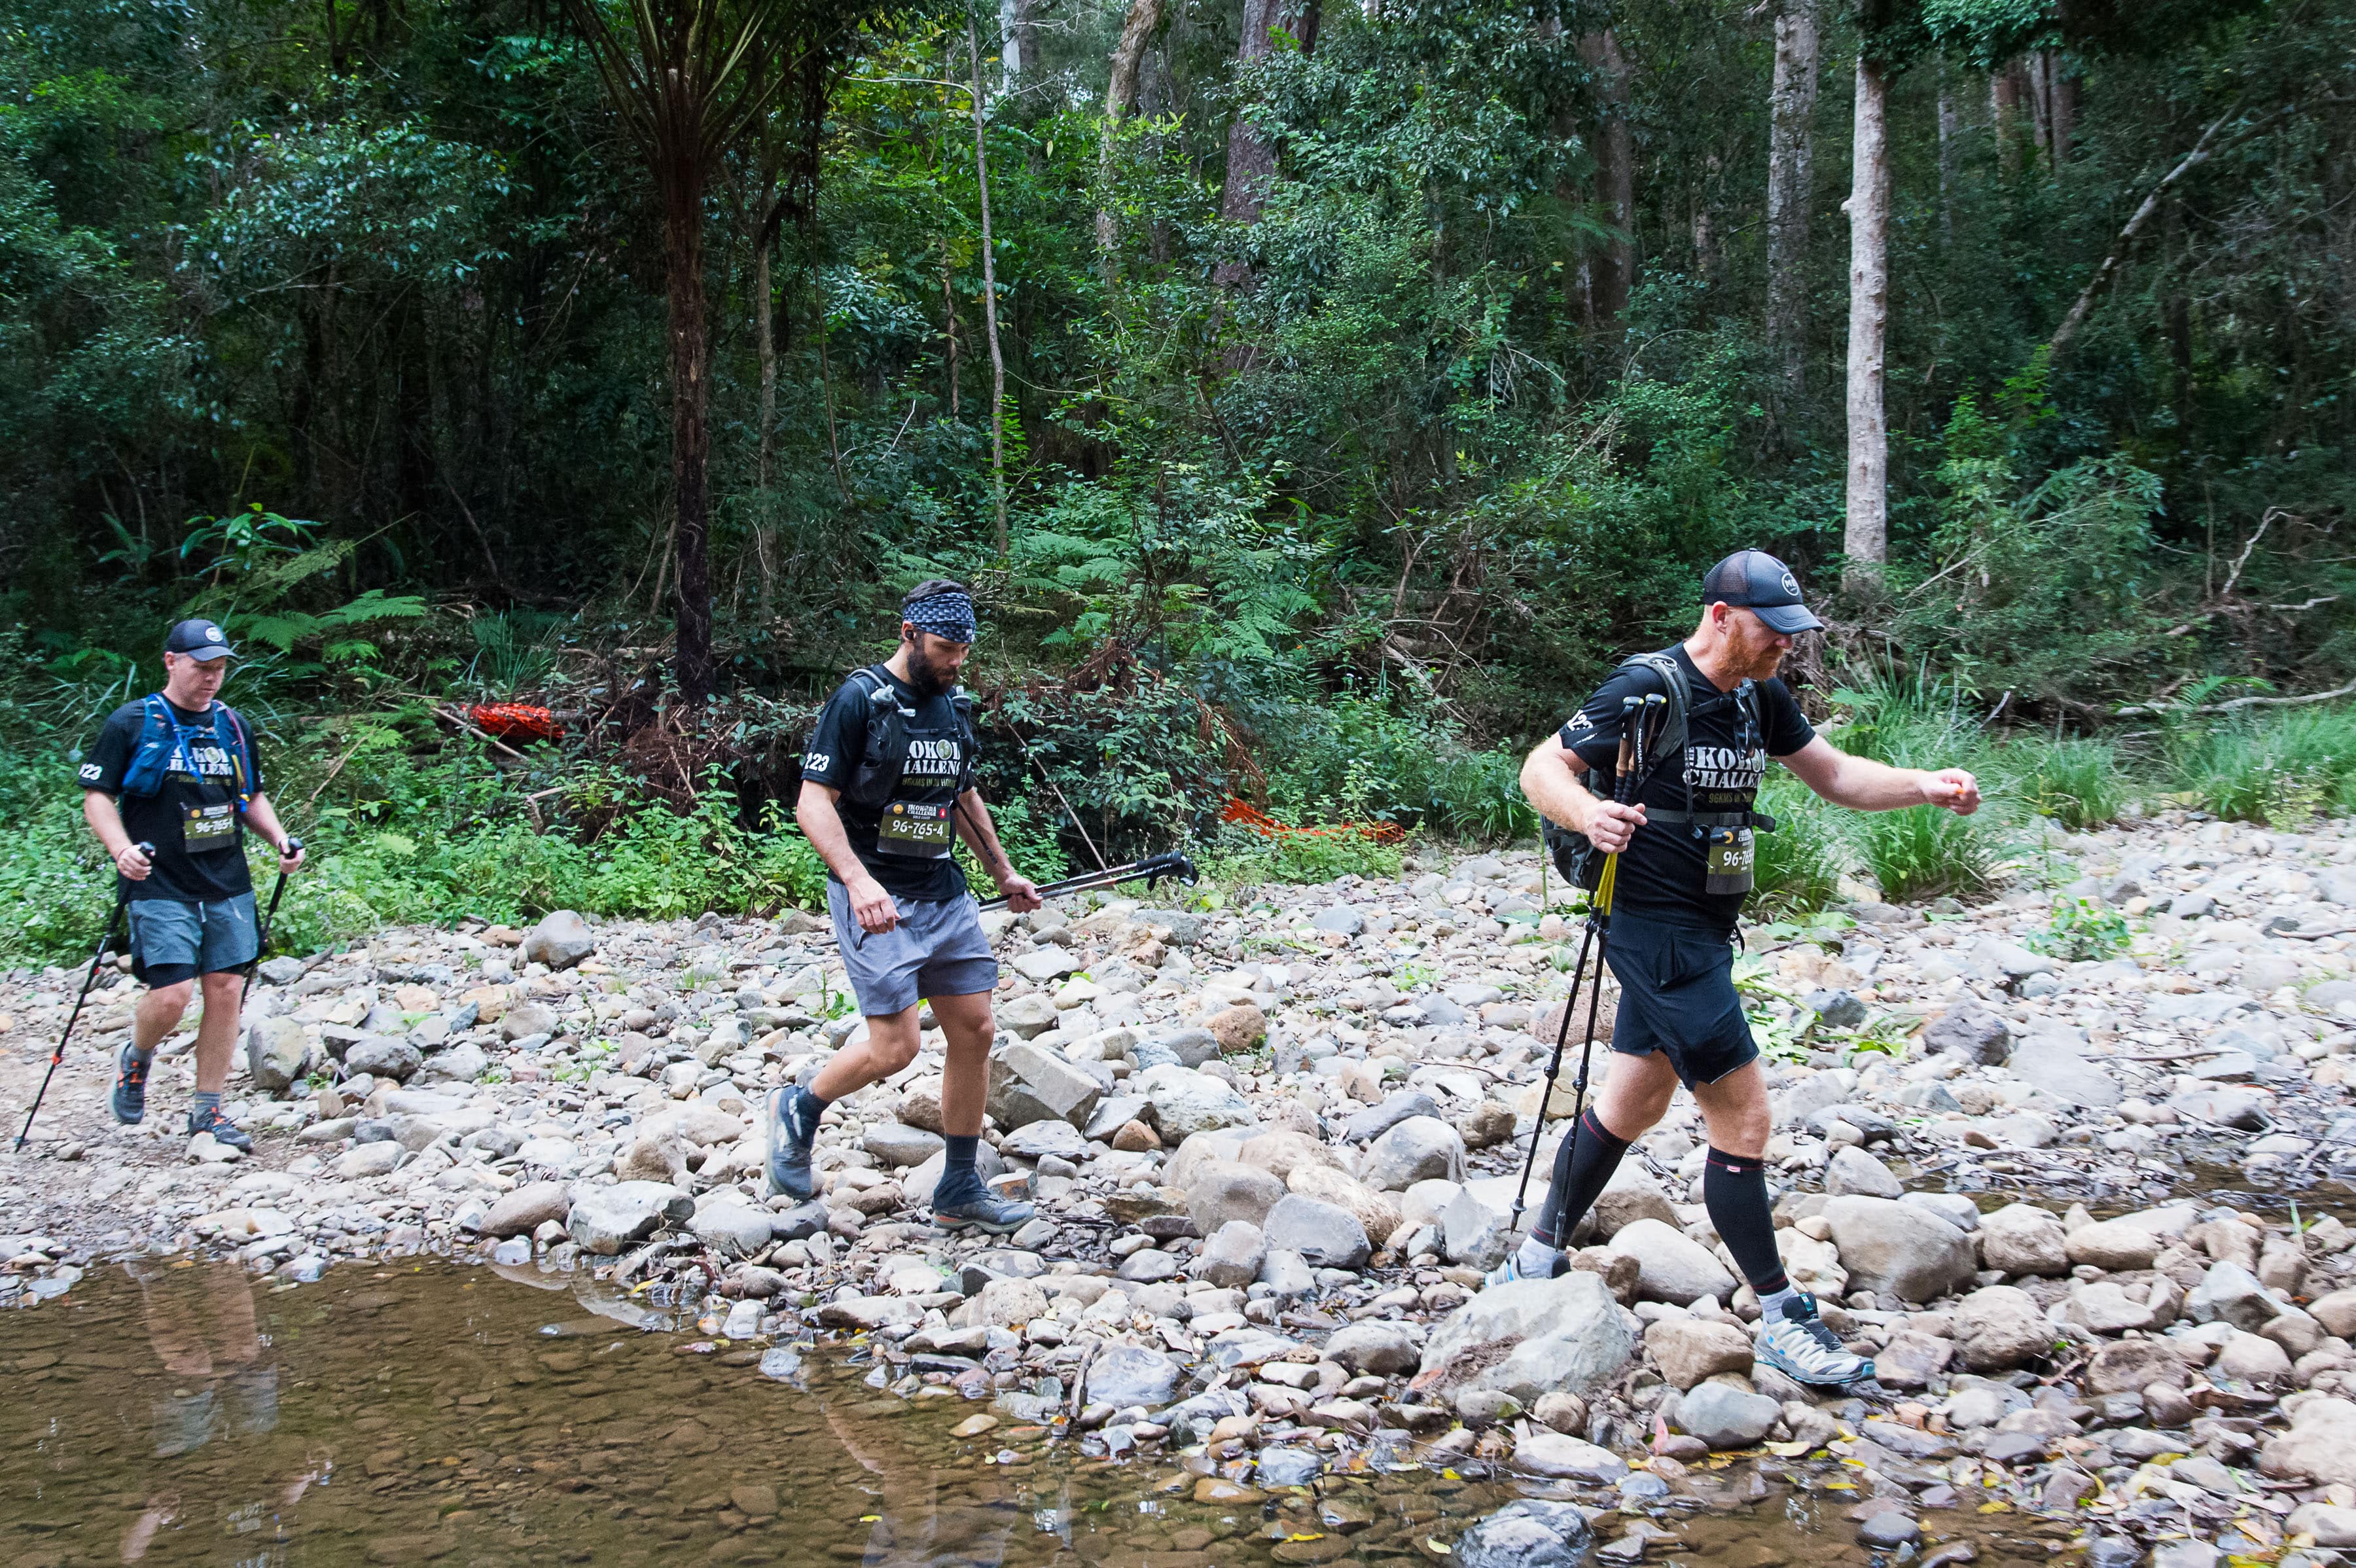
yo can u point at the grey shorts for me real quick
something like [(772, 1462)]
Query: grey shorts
[(936, 950), (171, 941)]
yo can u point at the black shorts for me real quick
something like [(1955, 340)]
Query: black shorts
[(1677, 997)]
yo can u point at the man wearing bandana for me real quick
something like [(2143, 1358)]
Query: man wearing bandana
[(887, 790)]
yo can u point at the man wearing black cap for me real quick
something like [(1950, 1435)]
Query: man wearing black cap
[(179, 771), (887, 789), (1685, 845)]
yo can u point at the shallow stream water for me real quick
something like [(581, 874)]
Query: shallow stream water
[(181, 1412)]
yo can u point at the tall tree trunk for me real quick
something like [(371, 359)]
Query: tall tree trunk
[(1865, 538), (1120, 101), (1615, 179), (990, 298), (2004, 108), (1791, 166), (764, 341), (2061, 108), (1950, 132), (1251, 161), (2040, 102), (690, 431)]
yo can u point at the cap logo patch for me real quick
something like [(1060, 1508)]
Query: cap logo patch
[(1791, 584), (212, 633)]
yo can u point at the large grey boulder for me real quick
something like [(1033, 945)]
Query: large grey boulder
[(2057, 1065), (1725, 1416), (276, 1053), (462, 1063), (1631, 1195), (1971, 1032), (2319, 1447), (1421, 1148), (1221, 1191), (1899, 1248), (2022, 1239), (2000, 1327), (1231, 1258), (1564, 1334), (381, 1056), (1671, 1266), (1375, 1345), (1530, 1533), (1030, 1083), (1366, 1125), (524, 1210), (1690, 1349), (1856, 1174), (2231, 1293), (1325, 1234), (1126, 1375), (1186, 1102), (604, 1219), (735, 1226), (561, 939)]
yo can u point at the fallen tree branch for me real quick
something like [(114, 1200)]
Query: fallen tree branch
[(2238, 702)]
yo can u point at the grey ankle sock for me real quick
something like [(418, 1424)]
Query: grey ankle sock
[(1774, 1304), (204, 1104), (1537, 1260), (140, 1053)]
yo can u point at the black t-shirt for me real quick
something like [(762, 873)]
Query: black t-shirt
[(199, 782), (938, 761), (1663, 872)]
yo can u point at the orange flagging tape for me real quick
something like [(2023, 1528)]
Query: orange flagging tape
[(515, 721), (1244, 815)]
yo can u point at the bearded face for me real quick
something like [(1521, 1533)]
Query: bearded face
[(934, 662)]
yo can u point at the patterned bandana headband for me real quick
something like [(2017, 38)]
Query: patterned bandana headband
[(943, 615)]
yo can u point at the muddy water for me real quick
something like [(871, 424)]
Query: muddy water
[(183, 1413)]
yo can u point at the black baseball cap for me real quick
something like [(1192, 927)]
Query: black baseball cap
[(1758, 583), (199, 640)]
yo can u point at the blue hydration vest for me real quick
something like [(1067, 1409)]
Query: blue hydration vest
[(163, 738)]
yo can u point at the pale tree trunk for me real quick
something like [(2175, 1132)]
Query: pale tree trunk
[(1615, 179), (989, 296), (764, 341), (1251, 161), (2034, 68), (2060, 109), (691, 430), (1791, 163), (1865, 538), (1120, 102), (1950, 130)]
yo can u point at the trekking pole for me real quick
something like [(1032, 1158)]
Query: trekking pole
[(121, 900), (1150, 870), (1630, 710), (261, 938)]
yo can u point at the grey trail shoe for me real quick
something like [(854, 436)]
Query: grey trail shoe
[(788, 1128), (129, 1100), (223, 1130), (976, 1208), (1796, 1343)]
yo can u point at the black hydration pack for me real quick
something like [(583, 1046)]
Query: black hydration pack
[(876, 778), (1575, 856)]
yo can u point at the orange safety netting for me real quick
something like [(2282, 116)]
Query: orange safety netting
[(1244, 815), (515, 721)]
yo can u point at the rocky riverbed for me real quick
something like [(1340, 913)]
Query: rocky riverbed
[(2080, 1210)]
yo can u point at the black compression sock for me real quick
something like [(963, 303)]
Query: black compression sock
[(962, 1154), (1582, 1168), (1734, 1190)]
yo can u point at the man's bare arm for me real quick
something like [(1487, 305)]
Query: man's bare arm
[(822, 825), (1864, 785), (1554, 781), (979, 831)]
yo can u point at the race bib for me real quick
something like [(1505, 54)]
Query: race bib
[(1729, 861), (919, 833), (206, 828)]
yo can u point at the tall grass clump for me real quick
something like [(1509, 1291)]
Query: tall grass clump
[(1909, 720), (1797, 867), (2268, 768), (2077, 783)]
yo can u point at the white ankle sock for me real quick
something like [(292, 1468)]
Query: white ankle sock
[(1537, 1260)]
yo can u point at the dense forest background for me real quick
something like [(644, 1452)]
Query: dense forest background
[(1319, 397)]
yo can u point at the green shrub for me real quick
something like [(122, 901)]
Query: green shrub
[(1924, 852), (1798, 865), (2084, 929), (2077, 783)]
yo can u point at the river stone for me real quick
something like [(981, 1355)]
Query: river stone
[(380, 1055), (1240, 1027), (561, 939), (1421, 1148), (1324, 1234), (604, 1220), (283, 971), (2336, 1312), (277, 1052), (2331, 1526), (2321, 1444), (1026, 1017), (2057, 1065), (1030, 1083), (1187, 1047), (2114, 1246), (1671, 1266), (2133, 1364), (1856, 1174), (1221, 1191), (526, 1020), (462, 1063), (363, 1160), (2231, 1293), (1279, 1149), (1564, 1334), (1231, 1258), (1689, 1349), (1725, 1417), (524, 1210), (1889, 1530), (1186, 1102), (1631, 1195), (1397, 1107), (1126, 1375), (734, 1228), (1373, 1345), (2022, 1239), (1340, 917), (1897, 1248), (898, 1145), (1041, 964), (1567, 1458), (1971, 1032), (1530, 1533)]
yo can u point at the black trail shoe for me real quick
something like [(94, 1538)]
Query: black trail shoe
[(129, 1100), (223, 1130)]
